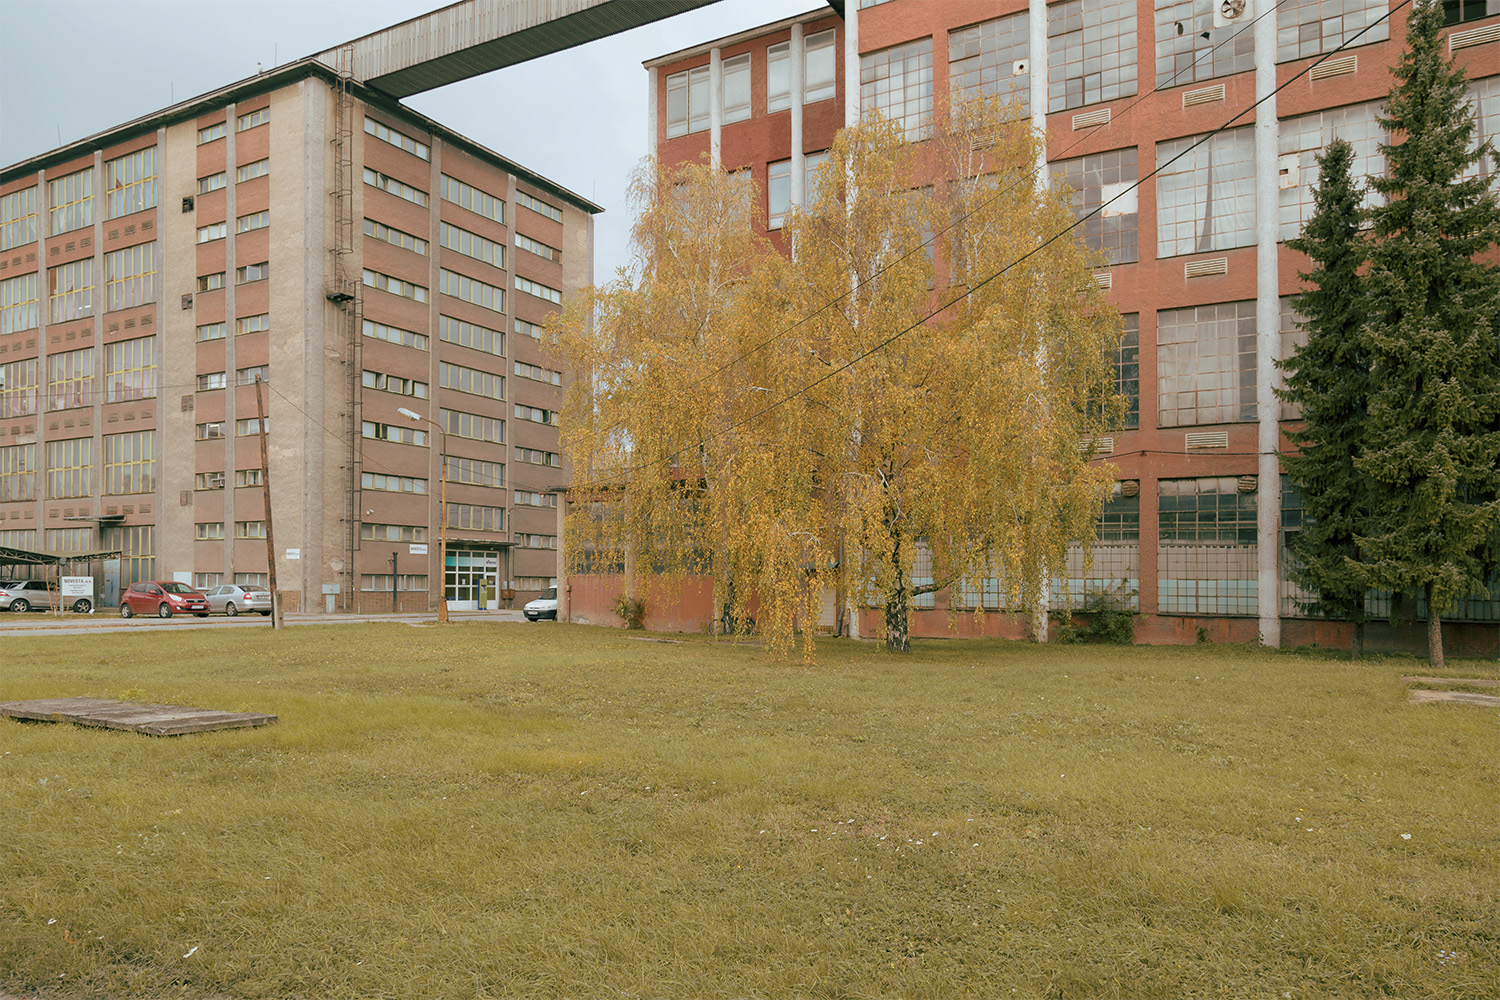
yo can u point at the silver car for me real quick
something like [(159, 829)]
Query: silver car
[(36, 595), (231, 598)]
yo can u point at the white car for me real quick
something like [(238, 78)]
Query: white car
[(543, 607)]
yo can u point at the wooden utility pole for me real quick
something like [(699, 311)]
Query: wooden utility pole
[(265, 489), (395, 599)]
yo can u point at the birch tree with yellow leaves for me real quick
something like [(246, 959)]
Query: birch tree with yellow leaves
[(924, 371)]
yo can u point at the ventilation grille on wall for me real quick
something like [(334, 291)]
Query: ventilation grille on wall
[(1091, 118), (1203, 95), (1334, 67), (1098, 445), (1104, 279), (1474, 36), (1206, 439), (1201, 268)]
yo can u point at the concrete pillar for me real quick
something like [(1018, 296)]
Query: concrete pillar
[(652, 80), (1268, 331), (798, 59), (715, 104), (1037, 72)]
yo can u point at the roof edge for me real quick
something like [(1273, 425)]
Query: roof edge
[(743, 36)]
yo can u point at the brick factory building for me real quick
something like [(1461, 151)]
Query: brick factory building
[(1198, 267), (359, 258)]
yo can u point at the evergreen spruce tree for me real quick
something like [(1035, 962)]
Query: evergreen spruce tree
[(1329, 378), (1433, 440)]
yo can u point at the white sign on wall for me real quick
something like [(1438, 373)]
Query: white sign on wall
[(418, 550), (76, 586), (294, 553)]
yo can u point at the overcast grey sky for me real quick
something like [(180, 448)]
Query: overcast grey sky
[(75, 67)]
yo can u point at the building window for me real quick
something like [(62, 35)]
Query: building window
[(812, 163), (531, 330), (533, 246), (538, 289), (211, 132), (538, 374), (71, 290), (19, 539), (471, 335), (18, 218), (778, 193), (387, 134), (734, 88), (250, 171), (213, 231), (396, 237), (1116, 558), (255, 220), (778, 77), (138, 552), (472, 426), (536, 415), (530, 498), (72, 202), (70, 379), (1485, 97), (394, 383), (393, 532), (251, 425), (130, 370), (211, 331), (18, 388), (475, 472), (212, 430), (130, 277), (249, 477), (1205, 360), (130, 183), (1312, 27), (687, 102), (472, 245), (539, 207), (897, 83), (260, 580), (1303, 138), (130, 463), (1091, 53), (249, 529), (468, 289), (382, 582), (70, 468), (393, 335), (204, 582), (259, 323), (391, 484), (529, 541), (70, 539), (249, 376), (386, 283), (18, 472), (819, 67), (210, 282), (991, 60), (532, 456), (471, 380), (1127, 369), (19, 303), (252, 272), (1104, 197), (1190, 48), (472, 198), (1207, 546), (539, 583), (253, 118), (208, 531), (390, 185), (395, 433), (473, 517), (213, 182), (1205, 196), (208, 481), (1458, 11)]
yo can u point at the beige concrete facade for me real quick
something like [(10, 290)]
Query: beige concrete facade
[(361, 259)]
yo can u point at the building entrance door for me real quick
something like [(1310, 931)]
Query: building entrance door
[(473, 576)]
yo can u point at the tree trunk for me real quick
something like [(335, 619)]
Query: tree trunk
[(1357, 646), (1434, 635), (897, 635)]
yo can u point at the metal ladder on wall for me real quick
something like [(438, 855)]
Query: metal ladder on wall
[(343, 292)]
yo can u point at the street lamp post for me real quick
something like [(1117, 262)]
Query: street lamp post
[(442, 609)]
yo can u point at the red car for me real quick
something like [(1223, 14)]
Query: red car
[(162, 598)]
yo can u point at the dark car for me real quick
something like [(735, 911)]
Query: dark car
[(35, 595), (162, 598)]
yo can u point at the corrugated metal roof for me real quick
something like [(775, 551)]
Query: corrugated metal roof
[(475, 37)]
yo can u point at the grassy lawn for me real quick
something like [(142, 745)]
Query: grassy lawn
[(518, 811)]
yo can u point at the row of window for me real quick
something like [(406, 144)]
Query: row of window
[(215, 480), (129, 467), (259, 323), (129, 281), (688, 94), (248, 120), (129, 374), (461, 286), (207, 531), (214, 430)]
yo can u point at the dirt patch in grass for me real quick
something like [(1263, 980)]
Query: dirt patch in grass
[(490, 810)]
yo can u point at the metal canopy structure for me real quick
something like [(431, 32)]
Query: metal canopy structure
[(474, 37), (25, 557)]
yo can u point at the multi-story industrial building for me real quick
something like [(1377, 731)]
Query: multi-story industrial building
[(1198, 262), (387, 280)]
